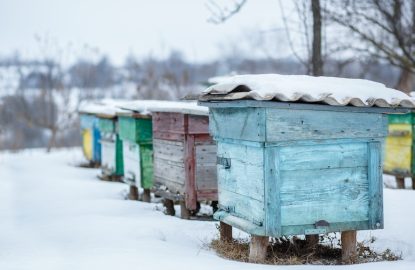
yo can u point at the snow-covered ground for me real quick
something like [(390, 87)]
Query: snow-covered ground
[(54, 215)]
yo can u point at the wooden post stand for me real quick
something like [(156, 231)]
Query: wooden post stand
[(400, 182), (169, 204), (311, 241), (258, 248), (184, 212), (225, 232), (146, 195), (413, 182), (133, 193), (348, 240)]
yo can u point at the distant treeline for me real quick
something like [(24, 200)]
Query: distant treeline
[(39, 99)]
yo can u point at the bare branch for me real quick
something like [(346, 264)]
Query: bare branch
[(222, 14)]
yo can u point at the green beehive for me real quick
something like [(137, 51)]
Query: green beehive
[(135, 131)]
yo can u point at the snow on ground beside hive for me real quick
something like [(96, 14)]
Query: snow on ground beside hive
[(54, 215), (331, 90)]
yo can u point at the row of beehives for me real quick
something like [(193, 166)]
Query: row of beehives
[(276, 169), (154, 145)]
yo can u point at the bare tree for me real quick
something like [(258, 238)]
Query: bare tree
[(46, 102), (316, 58), (385, 30), (314, 61), (221, 13)]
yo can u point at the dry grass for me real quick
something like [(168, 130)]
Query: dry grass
[(294, 251)]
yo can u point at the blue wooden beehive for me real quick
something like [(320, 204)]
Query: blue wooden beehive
[(288, 170), (90, 137), (296, 168)]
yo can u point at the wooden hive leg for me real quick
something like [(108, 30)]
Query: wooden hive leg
[(214, 205), (311, 241), (184, 212), (133, 195), (146, 195), (225, 232), (169, 204), (258, 248), (413, 182), (400, 182), (348, 241)]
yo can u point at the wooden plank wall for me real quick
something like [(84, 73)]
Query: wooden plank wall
[(206, 170), (298, 167), (241, 187), (285, 125), (169, 164), (132, 171)]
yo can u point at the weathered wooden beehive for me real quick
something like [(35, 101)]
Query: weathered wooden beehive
[(90, 134), (184, 156), (299, 168), (399, 148), (136, 132), (112, 166)]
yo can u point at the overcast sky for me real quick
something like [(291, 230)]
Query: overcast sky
[(120, 27)]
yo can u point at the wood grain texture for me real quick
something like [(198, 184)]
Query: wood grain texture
[(258, 248), (349, 248), (320, 156), (169, 165), (375, 186), (245, 175), (298, 106), (272, 187), (283, 125), (169, 122), (198, 124), (334, 195), (244, 207), (190, 175), (225, 231), (168, 136), (240, 223), (184, 157), (237, 123), (169, 150), (206, 172), (334, 227), (285, 169), (207, 194)]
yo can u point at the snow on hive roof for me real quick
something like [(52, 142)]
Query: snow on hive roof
[(105, 107), (308, 89), (148, 106)]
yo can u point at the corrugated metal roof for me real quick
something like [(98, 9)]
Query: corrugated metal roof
[(308, 89)]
